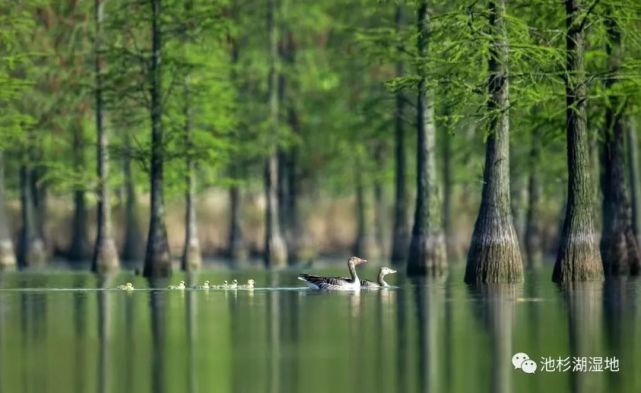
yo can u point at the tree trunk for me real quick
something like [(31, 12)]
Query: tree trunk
[(532, 228), (379, 201), (80, 249), (133, 244), (191, 258), (364, 246), (236, 248), (30, 246), (494, 254), (275, 252), (399, 234), (619, 247), (635, 179), (105, 257), (427, 253), (7, 256), (448, 195), (578, 258), (157, 257)]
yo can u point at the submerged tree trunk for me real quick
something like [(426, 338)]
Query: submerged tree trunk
[(7, 256), (133, 244), (494, 254), (191, 258), (275, 251), (400, 229), (619, 247), (157, 257), (427, 253), (80, 249), (578, 258), (532, 237), (634, 176), (30, 246), (105, 257)]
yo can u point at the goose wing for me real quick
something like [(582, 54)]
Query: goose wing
[(369, 284), (319, 282)]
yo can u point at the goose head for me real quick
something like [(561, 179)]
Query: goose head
[(356, 261), (386, 270)]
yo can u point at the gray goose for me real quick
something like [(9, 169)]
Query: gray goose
[(336, 283), (380, 280)]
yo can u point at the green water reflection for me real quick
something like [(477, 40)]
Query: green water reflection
[(425, 336)]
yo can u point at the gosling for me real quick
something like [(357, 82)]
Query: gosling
[(380, 281), (250, 284), (126, 287), (180, 286)]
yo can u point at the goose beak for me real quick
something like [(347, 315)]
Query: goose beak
[(392, 271), (362, 261)]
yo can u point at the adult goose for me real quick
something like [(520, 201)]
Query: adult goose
[(336, 283), (380, 280)]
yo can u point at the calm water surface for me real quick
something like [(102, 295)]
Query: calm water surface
[(427, 336)]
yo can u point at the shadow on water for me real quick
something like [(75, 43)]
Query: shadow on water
[(583, 302), (158, 311), (493, 305), (33, 323), (429, 304), (80, 328), (104, 333)]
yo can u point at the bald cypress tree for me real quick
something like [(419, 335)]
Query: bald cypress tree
[(494, 254), (157, 257), (619, 247), (105, 255), (578, 257), (427, 253)]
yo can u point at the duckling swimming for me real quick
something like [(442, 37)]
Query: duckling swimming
[(380, 280), (180, 286), (249, 285), (233, 285), (205, 285), (126, 287)]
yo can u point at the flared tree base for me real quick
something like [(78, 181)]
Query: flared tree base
[(427, 255), (578, 260), (494, 256), (7, 256), (276, 253), (33, 254), (192, 257), (105, 258), (620, 253)]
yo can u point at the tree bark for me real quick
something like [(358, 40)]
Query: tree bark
[(619, 247), (635, 179), (133, 245), (494, 255), (31, 250), (399, 234), (275, 252), (191, 258), (157, 257), (236, 247), (578, 257), (80, 249), (7, 255), (364, 246), (448, 195), (105, 257), (379, 200), (427, 253), (532, 234)]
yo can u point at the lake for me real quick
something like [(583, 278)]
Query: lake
[(65, 331)]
